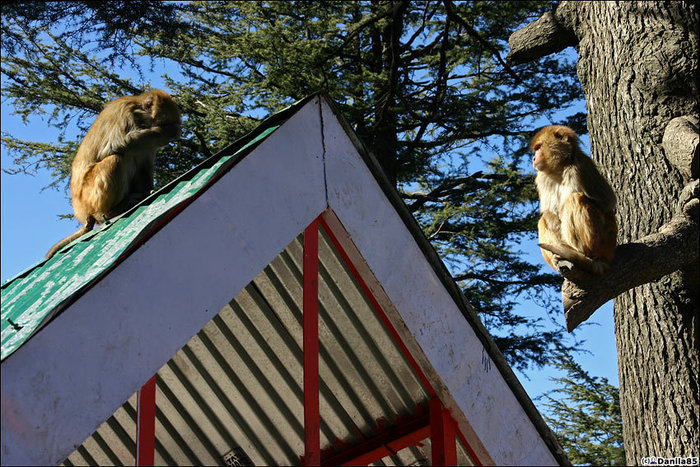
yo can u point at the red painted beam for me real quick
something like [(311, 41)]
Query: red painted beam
[(442, 434), (378, 309), (469, 449), (385, 319), (146, 423), (388, 443), (312, 418)]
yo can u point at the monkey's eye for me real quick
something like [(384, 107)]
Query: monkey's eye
[(537, 146)]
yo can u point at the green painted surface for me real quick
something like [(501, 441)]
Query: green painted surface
[(34, 296)]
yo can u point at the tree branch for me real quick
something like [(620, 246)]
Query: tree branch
[(549, 34), (446, 187), (452, 13), (674, 247), (359, 26), (485, 278)]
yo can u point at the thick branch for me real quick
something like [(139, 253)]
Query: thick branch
[(549, 34), (673, 248)]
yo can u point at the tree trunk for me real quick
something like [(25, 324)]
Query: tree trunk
[(638, 65), (636, 68)]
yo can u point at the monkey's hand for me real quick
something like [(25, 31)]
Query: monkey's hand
[(153, 136), (167, 132)]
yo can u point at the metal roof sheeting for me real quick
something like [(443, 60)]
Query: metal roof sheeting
[(237, 386), (33, 297)]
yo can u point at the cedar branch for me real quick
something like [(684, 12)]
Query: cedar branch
[(549, 34)]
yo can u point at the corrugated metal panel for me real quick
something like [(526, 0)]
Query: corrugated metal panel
[(237, 385)]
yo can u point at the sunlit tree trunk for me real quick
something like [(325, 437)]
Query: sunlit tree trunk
[(638, 65)]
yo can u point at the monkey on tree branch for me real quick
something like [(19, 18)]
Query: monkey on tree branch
[(638, 66), (577, 228)]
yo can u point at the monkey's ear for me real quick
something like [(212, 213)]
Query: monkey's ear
[(565, 134), (148, 103), (559, 133)]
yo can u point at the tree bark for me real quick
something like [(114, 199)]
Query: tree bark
[(638, 65)]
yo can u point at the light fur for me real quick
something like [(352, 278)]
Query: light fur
[(577, 203)]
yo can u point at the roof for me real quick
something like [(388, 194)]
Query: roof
[(34, 296), (200, 283)]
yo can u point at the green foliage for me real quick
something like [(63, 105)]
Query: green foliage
[(423, 84), (585, 416)]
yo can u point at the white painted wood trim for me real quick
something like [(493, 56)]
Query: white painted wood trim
[(433, 326)]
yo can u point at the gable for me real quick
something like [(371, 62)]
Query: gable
[(237, 385)]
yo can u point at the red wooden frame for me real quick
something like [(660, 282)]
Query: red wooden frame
[(146, 423), (312, 417), (438, 424), (468, 447), (445, 431), (442, 434), (409, 432), (377, 308)]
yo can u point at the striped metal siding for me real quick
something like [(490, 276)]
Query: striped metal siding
[(237, 384)]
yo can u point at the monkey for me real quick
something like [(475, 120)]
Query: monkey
[(113, 168), (577, 203)]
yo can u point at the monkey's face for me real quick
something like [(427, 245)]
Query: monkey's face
[(166, 115), (553, 147), (551, 155), (538, 160)]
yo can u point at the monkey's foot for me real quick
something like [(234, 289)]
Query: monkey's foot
[(562, 265), (568, 269)]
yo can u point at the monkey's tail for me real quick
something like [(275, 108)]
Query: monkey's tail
[(77, 234), (579, 259)]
